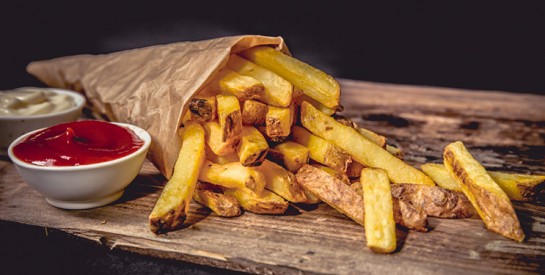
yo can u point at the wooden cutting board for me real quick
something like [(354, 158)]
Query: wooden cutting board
[(504, 131)]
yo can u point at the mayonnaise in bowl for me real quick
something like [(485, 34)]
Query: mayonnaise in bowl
[(26, 109), (29, 101)]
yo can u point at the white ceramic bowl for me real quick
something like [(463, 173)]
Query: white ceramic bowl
[(15, 126), (84, 186)]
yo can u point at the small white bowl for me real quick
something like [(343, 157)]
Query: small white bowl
[(14, 126), (84, 186)]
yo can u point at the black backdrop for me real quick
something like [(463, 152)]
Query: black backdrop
[(473, 44)]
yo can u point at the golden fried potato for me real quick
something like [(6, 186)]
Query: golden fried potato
[(171, 208), (380, 228), (214, 199), (485, 194)]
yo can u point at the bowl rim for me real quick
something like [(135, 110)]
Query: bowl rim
[(141, 133), (78, 98)]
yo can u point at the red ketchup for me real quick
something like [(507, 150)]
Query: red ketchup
[(78, 143)]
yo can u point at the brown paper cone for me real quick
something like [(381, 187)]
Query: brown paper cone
[(148, 87)]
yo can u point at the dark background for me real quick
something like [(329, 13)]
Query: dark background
[(473, 44)]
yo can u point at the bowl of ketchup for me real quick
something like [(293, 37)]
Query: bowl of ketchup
[(82, 164)]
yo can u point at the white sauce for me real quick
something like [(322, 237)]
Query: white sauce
[(33, 101)]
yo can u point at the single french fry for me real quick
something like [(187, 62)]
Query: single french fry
[(518, 187), (214, 199), (172, 207), (282, 182), (290, 155), (203, 109), (321, 150), (233, 175), (348, 201), (214, 139), (278, 91), (253, 147), (361, 149), (254, 112), (490, 201), (242, 86), (265, 203), (332, 191), (314, 82), (380, 228), (229, 116), (278, 121), (211, 156)]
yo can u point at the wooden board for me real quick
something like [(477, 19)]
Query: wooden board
[(505, 131)]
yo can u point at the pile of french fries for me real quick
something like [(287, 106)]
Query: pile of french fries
[(264, 133)]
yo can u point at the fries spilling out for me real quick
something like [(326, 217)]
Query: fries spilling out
[(264, 133)]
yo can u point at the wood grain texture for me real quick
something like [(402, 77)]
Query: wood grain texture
[(504, 131)]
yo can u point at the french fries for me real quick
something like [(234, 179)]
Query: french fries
[(233, 175), (321, 150), (229, 116), (172, 206), (252, 147), (282, 182), (518, 187), (290, 154), (254, 112), (265, 203), (278, 91), (242, 86), (483, 192), (361, 149), (314, 83), (348, 201), (332, 191), (265, 115), (213, 198), (278, 122), (214, 139), (380, 228), (203, 109)]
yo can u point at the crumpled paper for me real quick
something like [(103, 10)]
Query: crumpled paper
[(149, 87)]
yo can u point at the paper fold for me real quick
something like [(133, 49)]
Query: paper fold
[(148, 87)]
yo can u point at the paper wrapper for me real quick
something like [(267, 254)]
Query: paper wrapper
[(148, 87)]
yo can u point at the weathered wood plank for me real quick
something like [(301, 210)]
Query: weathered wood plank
[(504, 131)]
